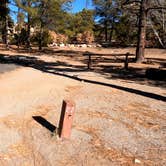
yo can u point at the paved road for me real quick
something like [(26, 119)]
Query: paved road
[(7, 67)]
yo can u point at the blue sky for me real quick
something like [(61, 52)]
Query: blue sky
[(78, 5)]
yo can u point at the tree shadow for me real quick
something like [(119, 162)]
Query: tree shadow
[(61, 68), (131, 90), (46, 50), (30, 61), (113, 67), (44, 123), (136, 75), (158, 61)]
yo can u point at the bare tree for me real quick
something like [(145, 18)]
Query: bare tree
[(157, 22), (145, 6)]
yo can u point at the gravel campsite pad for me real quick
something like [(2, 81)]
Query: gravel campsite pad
[(115, 123)]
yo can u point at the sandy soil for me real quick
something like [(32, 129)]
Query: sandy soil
[(118, 120)]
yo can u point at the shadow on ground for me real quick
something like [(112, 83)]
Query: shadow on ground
[(44, 123), (61, 68)]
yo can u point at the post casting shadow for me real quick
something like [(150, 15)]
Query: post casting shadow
[(44, 123)]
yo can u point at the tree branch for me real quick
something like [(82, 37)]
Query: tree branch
[(157, 8), (128, 2)]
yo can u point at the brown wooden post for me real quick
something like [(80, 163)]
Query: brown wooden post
[(66, 119)]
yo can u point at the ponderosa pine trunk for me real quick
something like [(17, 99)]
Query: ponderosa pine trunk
[(28, 33), (41, 36), (6, 33), (141, 32), (106, 31), (29, 28), (111, 32), (6, 42)]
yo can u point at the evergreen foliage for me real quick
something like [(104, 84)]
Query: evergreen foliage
[(113, 22), (4, 20)]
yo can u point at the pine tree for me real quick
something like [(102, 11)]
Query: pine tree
[(107, 13), (145, 6), (4, 19), (29, 8), (50, 16)]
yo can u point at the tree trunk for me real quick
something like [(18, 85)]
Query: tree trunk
[(157, 34), (106, 31), (43, 7), (19, 29), (28, 33), (29, 28), (111, 32), (6, 30), (41, 36), (6, 33), (141, 32)]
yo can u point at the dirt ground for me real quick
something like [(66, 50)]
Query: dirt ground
[(120, 117)]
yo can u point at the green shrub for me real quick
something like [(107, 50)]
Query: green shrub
[(45, 38)]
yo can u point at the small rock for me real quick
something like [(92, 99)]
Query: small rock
[(137, 161)]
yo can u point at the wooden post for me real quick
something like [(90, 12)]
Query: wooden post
[(66, 119), (126, 61)]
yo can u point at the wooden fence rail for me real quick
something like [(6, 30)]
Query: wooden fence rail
[(91, 56)]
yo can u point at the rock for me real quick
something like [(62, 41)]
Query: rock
[(62, 45), (71, 45), (90, 46), (83, 45), (137, 161), (98, 45)]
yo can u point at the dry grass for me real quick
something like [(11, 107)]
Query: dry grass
[(142, 115), (100, 151)]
